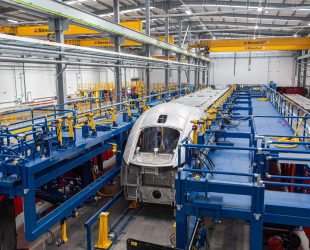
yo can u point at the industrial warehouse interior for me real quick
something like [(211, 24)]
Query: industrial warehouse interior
[(155, 124)]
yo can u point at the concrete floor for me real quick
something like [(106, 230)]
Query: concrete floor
[(152, 223), (229, 235)]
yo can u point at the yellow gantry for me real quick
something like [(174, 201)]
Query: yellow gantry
[(259, 44), (43, 31)]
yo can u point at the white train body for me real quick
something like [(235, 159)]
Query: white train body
[(150, 157)]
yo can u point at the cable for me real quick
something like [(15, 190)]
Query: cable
[(286, 139), (53, 240)]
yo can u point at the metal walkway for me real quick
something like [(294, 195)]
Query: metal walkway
[(242, 152)]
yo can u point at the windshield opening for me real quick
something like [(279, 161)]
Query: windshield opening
[(165, 139)]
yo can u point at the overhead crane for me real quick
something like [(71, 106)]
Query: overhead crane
[(258, 44), (45, 31)]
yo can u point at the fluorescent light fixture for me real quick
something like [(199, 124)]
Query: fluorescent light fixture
[(295, 35), (308, 24), (123, 12), (256, 27), (12, 21), (214, 38), (75, 1), (259, 9), (304, 9), (266, 12), (188, 12)]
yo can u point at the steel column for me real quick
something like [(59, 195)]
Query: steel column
[(304, 82), (117, 48), (204, 74), (61, 85), (189, 71), (179, 55), (167, 54), (147, 46), (196, 82)]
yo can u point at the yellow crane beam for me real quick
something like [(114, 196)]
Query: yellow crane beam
[(105, 42), (42, 30), (254, 44)]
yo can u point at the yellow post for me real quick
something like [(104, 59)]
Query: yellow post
[(145, 108), (103, 239), (59, 131), (134, 205), (128, 109), (114, 148), (70, 127), (195, 132), (204, 126), (92, 121), (113, 117), (64, 237), (97, 95), (175, 233)]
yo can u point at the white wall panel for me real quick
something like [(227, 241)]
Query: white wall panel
[(262, 67)]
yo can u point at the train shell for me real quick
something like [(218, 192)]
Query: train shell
[(150, 157)]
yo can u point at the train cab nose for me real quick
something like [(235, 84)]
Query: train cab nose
[(156, 146)]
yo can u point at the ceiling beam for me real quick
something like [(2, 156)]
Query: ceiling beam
[(236, 32), (231, 15), (176, 3), (6, 10), (219, 23)]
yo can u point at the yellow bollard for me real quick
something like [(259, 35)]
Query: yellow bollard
[(103, 239), (128, 109), (70, 127), (145, 108), (113, 117), (114, 148), (64, 237), (195, 131), (134, 205), (59, 131), (204, 126), (92, 121), (175, 233)]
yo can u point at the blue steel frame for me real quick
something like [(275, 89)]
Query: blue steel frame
[(24, 168), (199, 195)]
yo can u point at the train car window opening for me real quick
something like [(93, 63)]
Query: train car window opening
[(163, 139)]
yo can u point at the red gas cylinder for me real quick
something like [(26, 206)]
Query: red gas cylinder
[(18, 204), (307, 232), (275, 243)]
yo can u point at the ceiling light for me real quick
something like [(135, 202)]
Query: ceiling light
[(214, 38), (308, 24), (295, 35), (12, 21), (256, 27), (259, 9), (266, 12), (188, 12), (254, 37), (76, 1)]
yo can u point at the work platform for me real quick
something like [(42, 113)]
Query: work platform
[(242, 150), (46, 143), (242, 137)]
